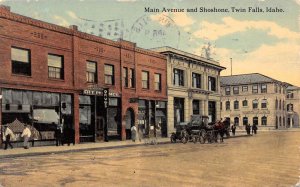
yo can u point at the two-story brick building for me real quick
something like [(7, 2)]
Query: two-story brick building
[(53, 75)]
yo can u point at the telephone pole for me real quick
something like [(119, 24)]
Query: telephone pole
[(231, 65)]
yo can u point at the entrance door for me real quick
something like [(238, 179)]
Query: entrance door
[(129, 122), (99, 130)]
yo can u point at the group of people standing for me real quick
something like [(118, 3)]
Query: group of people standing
[(9, 136), (247, 128)]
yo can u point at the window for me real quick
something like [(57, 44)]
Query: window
[(280, 104), (236, 121), (91, 72), (196, 80), (264, 103), (227, 91), (212, 84), (178, 79), (245, 103), (236, 105), (196, 107), (145, 79), (125, 77), (244, 88), (245, 121), (157, 82), (290, 107), (263, 88), (227, 105), (255, 104), (264, 120), (280, 122), (20, 59), (276, 104), (235, 90), (131, 82), (109, 77), (221, 105), (55, 67), (255, 120), (254, 89)]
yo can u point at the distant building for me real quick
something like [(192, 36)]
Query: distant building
[(193, 85), (254, 99), (293, 106)]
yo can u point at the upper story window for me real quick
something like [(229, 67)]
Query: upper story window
[(55, 66), (280, 104), (236, 105), (276, 104), (227, 91), (196, 80), (196, 107), (276, 88), (279, 89), (227, 105), (290, 107), (131, 82), (264, 120), (20, 59), (254, 89), (125, 76), (145, 79), (264, 103), (109, 74), (236, 90), (212, 84), (91, 72), (245, 103), (157, 82), (263, 88), (290, 95), (178, 79), (244, 88), (255, 104)]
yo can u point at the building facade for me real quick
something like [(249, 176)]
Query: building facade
[(293, 106), (52, 75), (254, 99), (193, 86)]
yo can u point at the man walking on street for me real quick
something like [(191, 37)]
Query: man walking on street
[(26, 135), (8, 135)]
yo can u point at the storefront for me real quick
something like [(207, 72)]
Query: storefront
[(43, 111), (99, 115)]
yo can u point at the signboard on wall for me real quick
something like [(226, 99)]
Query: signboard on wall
[(99, 92), (105, 97)]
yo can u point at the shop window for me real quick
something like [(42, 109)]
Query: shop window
[(125, 76), (244, 88), (109, 77), (263, 88), (264, 120), (227, 105), (157, 82), (55, 66), (131, 82), (236, 105), (254, 89), (264, 103), (212, 84), (255, 104), (236, 121), (245, 121), (227, 91), (196, 107), (21, 63), (91, 72), (196, 80), (255, 120), (235, 90), (178, 79), (245, 103), (145, 79)]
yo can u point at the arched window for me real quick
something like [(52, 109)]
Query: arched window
[(283, 119), (290, 107), (264, 103), (245, 103), (276, 104), (236, 105), (264, 120), (279, 104), (255, 120), (276, 121), (255, 104), (236, 121), (280, 122), (227, 105), (245, 121)]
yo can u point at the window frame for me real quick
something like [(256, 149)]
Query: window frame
[(55, 69), (263, 90), (157, 85), (255, 103), (180, 74), (17, 63), (108, 76), (125, 77), (227, 90), (196, 80), (93, 74), (255, 90), (236, 105), (147, 81)]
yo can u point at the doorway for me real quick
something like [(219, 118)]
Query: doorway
[(129, 122)]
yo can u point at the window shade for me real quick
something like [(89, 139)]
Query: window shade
[(55, 61), (20, 55)]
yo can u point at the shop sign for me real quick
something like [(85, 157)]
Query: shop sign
[(100, 92), (105, 97)]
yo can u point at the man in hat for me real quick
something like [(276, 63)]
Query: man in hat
[(7, 136), (26, 135)]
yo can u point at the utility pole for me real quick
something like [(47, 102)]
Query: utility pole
[(231, 65)]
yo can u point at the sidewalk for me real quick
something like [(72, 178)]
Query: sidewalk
[(46, 150)]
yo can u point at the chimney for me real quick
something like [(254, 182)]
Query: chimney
[(73, 27), (6, 8)]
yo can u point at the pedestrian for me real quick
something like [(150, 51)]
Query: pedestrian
[(248, 129), (69, 135), (233, 128), (254, 129), (8, 136), (26, 135), (133, 133), (140, 132), (58, 135)]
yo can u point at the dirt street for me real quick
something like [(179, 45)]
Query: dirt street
[(267, 159)]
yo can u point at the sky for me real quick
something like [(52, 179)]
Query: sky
[(256, 41)]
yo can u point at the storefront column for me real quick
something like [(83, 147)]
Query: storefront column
[(76, 117), (123, 127), (1, 97)]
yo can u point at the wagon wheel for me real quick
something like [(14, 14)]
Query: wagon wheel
[(219, 138), (173, 138), (184, 137), (194, 139), (202, 135)]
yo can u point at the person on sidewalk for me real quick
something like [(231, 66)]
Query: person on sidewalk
[(254, 129), (26, 135), (233, 128), (140, 132), (133, 133), (8, 135), (58, 135)]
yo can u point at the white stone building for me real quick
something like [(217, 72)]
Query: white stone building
[(293, 106)]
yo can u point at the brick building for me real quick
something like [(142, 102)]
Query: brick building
[(52, 75)]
